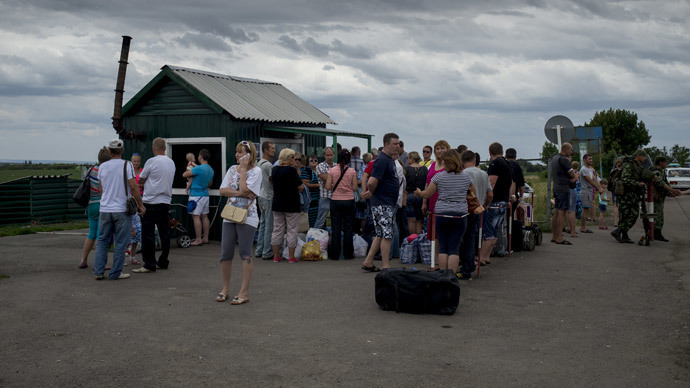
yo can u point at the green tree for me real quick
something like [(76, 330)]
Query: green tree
[(680, 154), (623, 133), (548, 151)]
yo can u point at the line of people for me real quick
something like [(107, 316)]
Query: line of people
[(378, 193)]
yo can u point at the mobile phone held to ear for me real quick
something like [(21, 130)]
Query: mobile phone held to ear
[(245, 157)]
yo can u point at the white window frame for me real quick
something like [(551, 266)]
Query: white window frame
[(197, 140)]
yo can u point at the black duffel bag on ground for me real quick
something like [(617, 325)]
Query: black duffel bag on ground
[(417, 291)]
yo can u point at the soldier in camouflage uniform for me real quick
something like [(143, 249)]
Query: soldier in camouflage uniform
[(629, 203), (662, 189)]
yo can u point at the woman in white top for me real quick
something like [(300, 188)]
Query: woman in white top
[(242, 184)]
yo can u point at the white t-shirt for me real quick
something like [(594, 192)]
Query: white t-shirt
[(114, 198), (232, 181), (159, 173), (402, 182), (586, 171)]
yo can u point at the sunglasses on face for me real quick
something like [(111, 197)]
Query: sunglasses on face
[(313, 160), (298, 159), (426, 152)]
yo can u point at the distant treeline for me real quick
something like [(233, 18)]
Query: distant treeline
[(39, 166)]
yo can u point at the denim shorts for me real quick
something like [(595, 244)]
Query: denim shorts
[(602, 208), (562, 200), (493, 219), (413, 209)]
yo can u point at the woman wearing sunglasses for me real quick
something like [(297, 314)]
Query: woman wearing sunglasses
[(242, 185)]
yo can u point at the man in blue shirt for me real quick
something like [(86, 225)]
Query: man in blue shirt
[(198, 193), (382, 188)]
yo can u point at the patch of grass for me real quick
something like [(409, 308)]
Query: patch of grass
[(3, 276), (16, 230), (12, 174)]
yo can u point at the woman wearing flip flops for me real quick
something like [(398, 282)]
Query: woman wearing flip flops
[(241, 184)]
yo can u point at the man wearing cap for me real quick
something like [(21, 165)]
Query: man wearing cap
[(113, 219), (157, 177), (662, 189), (629, 202)]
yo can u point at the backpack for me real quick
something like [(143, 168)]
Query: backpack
[(613, 177)]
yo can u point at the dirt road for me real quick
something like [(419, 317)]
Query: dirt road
[(597, 313)]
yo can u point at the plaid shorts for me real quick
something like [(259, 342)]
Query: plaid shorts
[(384, 218)]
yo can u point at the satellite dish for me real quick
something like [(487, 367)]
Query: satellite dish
[(567, 129)]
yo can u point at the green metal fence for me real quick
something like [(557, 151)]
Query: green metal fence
[(39, 199)]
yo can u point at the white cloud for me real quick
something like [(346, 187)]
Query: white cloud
[(469, 72)]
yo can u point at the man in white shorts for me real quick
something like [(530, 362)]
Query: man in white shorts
[(198, 193)]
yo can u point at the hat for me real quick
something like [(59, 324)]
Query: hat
[(640, 153), (660, 159), (115, 143)]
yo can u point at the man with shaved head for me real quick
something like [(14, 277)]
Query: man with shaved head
[(562, 173)]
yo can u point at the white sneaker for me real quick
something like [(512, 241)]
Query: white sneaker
[(123, 276), (141, 270)]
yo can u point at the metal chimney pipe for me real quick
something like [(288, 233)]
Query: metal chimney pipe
[(120, 86)]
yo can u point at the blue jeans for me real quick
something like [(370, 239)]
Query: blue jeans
[(263, 244), (120, 225), (324, 208), (493, 219)]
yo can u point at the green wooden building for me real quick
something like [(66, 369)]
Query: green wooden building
[(195, 109)]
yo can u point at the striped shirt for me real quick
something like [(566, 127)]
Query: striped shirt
[(95, 192), (323, 168), (452, 191)]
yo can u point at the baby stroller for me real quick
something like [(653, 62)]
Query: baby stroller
[(179, 231)]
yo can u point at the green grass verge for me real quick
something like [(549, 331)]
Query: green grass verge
[(10, 174), (16, 230)]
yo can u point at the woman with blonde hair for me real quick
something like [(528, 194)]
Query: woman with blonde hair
[(94, 206), (415, 174), (287, 187), (429, 204), (242, 185)]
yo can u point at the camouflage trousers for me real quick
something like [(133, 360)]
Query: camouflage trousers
[(629, 210)]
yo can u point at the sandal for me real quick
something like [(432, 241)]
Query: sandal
[(564, 242), (221, 297), (373, 268), (237, 300), (195, 244), (586, 231)]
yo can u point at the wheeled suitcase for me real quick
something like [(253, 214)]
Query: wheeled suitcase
[(516, 237), (417, 291)]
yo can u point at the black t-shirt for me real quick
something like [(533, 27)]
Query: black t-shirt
[(386, 193), (502, 170), (559, 171), (416, 178), (518, 177), (285, 180)]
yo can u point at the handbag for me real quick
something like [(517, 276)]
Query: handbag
[(131, 208), (83, 193), (473, 205), (235, 214)]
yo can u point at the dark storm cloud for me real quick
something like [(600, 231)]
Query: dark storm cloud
[(317, 49), (204, 41)]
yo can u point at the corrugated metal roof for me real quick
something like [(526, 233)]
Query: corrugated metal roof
[(252, 99)]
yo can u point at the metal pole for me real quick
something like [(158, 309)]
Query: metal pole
[(548, 194)]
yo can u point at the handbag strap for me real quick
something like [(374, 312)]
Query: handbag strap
[(339, 179), (124, 177)]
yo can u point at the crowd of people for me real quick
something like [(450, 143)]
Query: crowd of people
[(385, 195)]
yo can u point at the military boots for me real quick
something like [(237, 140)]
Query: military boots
[(658, 236)]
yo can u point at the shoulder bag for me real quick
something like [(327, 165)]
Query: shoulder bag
[(131, 208), (235, 214), (339, 179), (83, 193)]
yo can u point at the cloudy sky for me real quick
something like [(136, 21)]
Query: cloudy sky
[(469, 72)]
